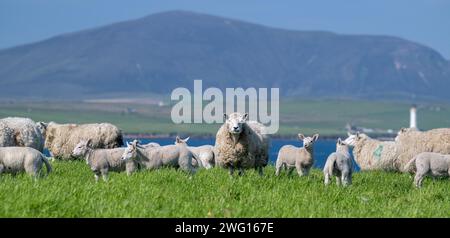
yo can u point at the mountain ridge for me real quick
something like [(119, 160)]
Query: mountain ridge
[(162, 51)]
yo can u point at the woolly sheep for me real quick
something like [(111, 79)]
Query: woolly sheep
[(61, 139), (301, 158), (413, 142), (22, 132), (339, 164), (371, 154), (204, 153), (241, 144), (178, 156), (22, 159), (101, 161), (430, 163)]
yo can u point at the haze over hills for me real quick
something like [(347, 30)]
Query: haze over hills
[(160, 52)]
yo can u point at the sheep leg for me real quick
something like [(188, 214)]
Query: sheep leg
[(418, 180), (300, 170), (327, 178), (105, 175), (241, 170), (1, 168), (278, 167)]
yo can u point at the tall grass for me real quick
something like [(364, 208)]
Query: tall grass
[(70, 191)]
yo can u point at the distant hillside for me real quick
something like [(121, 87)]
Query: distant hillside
[(167, 50)]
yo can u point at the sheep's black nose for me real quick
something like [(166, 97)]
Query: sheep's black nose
[(235, 128)]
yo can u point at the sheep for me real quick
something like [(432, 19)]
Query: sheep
[(371, 154), (339, 164), (101, 161), (18, 159), (430, 163), (22, 132), (241, 144), (204, 153), (62, 138), (413, 142), (178, 156), (301, 158)]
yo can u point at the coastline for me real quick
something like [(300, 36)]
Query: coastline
[(383, 136)]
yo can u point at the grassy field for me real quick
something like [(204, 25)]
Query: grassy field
[(70, 191), (326, 117)]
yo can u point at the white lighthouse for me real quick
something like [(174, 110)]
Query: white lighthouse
[(413, 117)]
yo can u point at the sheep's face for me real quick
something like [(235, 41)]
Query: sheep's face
[(308, 141), (352, 139), (81, 148), (130, 152), (179, 141), (235, 122), (341, 145)]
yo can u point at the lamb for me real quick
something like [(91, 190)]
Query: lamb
[(241, 144), (339, 164), (101, 161), (61, 139), (22, 132), (204, 153), (430, 163), (301, 158), (413, 142), (178, 156), (371, 154), (22, 159)]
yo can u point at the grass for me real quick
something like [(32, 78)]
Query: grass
[(70, 191)]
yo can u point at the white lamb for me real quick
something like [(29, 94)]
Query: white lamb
[(301, 158), (430, 163), (339, 164)]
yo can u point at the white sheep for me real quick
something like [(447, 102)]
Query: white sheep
[(178, 156), (22, 159), (339, 164), (430, 163), (61, 139), (22, 132), (372, 154), (301, 158), (241, 144), (205, 153), (101, 161), (411, 142)]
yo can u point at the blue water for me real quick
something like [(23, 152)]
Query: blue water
[(322, 148)]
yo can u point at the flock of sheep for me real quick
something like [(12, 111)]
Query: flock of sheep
[(240, 144)]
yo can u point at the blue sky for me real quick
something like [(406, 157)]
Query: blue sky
[(423, 21)]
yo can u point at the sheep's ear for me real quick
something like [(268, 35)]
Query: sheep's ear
[(339, 141), (315, 137), (178, 140), (245, 117), (301, 136), (186, 140), (358, 135), (403, 129), (225, 117), (349, 134), (128, 144), (88, 142)]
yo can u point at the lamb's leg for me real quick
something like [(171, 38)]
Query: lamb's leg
[(418, 179), (241, 170), (300, 170), (2, 168), (96, 177), (105, 175), (327, 179), (278, 167)]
